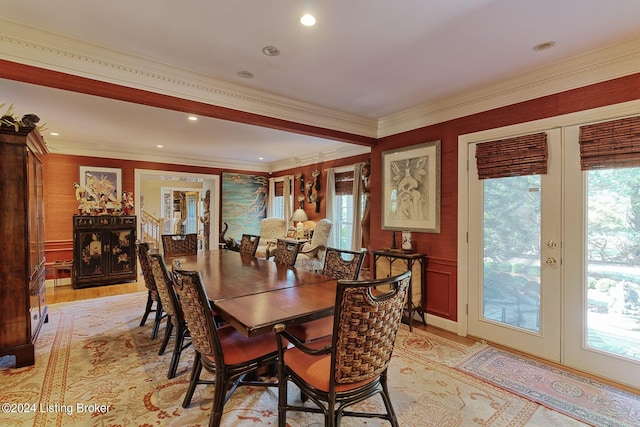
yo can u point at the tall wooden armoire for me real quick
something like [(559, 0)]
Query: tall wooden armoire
[(23, 304)]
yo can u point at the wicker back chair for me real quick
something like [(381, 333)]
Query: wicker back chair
[(287, 252), (171, 305), (338, 264), (352, 367), (221, 350), (142, 249), (249, 244), (179, 244)]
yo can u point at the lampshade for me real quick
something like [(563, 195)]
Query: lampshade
[(299, 215)]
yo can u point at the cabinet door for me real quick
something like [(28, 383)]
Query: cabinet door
[(122, 251), (90, 251)]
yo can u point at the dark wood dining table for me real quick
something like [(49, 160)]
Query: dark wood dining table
[(255, 294)]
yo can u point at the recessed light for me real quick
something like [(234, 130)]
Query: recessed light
[(54, 133), (246, 74), (260, 158), (193, 118), (308, 20), (271, 51), (159, 146), (544, 46)]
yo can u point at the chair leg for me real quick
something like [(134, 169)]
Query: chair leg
[(167, 335), (177, 351), (195, 376), (282, 397), (147, 309), (156, 324), (219, 395), (393, 419)]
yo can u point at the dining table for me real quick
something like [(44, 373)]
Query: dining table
[(254, 294)]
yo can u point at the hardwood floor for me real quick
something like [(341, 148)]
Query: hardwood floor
[(65, 293)]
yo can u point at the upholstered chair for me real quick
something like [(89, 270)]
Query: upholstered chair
[(315, 249), (249, 244), (175, 318), (179, 244), (351, 365), (221, 350), (338, 264), (271, 229), (142, 249)]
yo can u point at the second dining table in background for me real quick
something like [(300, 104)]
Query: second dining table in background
[(254, 294)]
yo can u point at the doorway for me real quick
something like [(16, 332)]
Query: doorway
[(548, 262), (160, 205)]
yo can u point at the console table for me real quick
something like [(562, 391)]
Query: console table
[(390, 262)]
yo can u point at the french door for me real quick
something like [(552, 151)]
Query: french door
[(515, 247), (553, 261)]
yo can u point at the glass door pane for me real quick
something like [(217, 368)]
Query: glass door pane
[(511, 251), (613, 261)]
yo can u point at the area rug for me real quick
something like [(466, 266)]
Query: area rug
[(95, 366), (579, 397)]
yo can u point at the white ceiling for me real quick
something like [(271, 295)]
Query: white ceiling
[(364, 61)]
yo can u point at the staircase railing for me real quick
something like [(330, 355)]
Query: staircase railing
[(152, 229)]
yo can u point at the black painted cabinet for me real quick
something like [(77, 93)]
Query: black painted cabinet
[(103, 250)]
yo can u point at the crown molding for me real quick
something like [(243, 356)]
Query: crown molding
[(126, 153), (319, 157), (608, 63), (31, 46)]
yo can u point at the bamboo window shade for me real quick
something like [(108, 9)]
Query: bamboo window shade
[(522, 155), (344, 183), (612, 144), (279, 188)]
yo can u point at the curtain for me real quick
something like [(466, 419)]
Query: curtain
[(356, 236), (288, 198), (330, 194), (272, 197)]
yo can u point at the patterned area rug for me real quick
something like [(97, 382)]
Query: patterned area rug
[(577, 396), (95, 366)]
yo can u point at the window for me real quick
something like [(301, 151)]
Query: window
[(343, 209), (278, 200)]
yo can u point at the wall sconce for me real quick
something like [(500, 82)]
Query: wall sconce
[(316, 175), (300, 178), (309, 190)]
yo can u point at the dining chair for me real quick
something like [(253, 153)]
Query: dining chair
[(287, 252), (175, 318), (221, 349), (351, 365), (179, 244), (338, 264), (142, 249), (249, 244)]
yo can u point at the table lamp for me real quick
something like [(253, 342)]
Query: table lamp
[(299, 216)]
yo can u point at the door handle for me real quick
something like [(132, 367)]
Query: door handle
[(551, 261)]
